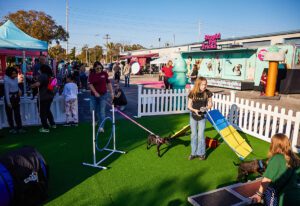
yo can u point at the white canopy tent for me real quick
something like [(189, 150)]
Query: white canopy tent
[(163, 60)]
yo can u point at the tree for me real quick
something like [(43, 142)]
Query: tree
[(38, 25), (57, 52), (72, 54), (133, 47)]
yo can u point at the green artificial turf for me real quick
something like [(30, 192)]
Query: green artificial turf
[(138, 177)]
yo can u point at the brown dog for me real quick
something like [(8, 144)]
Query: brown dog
[(156, 140), (246, 168)]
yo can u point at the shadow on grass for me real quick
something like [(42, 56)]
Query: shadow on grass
[(164, 193), (174, 143)]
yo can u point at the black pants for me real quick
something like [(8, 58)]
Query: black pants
[(46, 114), (117, 76), (14, 110), (167, 84), (262, 88)]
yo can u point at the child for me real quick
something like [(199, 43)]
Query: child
[(280, 182), (199, 101), (70, 93), (194, 75), (120, 98), (263, 83)]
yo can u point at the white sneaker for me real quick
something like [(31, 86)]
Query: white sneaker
[(101, 129)]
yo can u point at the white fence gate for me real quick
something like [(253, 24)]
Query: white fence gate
[(251, 117), (30, 114)]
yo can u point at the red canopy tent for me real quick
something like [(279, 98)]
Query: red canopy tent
[(141, 59)]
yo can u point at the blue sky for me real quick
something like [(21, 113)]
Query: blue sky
[(143, 22)]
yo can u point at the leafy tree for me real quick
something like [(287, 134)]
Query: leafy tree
[(38, 25), (72, 54), (57, 52), (133, 47), (90, 55)]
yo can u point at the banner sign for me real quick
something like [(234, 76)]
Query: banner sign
[(210, 41)]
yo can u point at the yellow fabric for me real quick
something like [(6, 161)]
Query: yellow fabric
[(236, 142), (181, 132)]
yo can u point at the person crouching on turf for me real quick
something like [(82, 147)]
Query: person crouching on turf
[(120, 98), (199, 101), (70, 93)]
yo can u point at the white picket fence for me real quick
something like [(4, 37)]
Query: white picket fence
[(29, 111), (258, 120)]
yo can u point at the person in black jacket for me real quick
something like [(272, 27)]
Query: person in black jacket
[(45, 98)]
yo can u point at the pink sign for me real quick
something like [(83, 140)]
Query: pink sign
[(210, 41), (261, 54)]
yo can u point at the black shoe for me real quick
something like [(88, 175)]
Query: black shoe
[(202, 157), (191, 157), (21, 131), (74, 124)]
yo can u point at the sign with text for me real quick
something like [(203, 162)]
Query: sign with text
[(210, 41)]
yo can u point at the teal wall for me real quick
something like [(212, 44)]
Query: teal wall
[(223, 63)]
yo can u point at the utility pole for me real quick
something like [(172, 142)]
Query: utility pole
[(173, 39), (106, 37), (86, 57), (67, 24)]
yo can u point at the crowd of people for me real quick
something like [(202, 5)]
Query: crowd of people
[(67, 79)]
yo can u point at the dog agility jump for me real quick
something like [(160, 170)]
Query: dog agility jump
[(105, 148)]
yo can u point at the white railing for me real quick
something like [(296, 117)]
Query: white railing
[(29, 111), (159, 101), (258, 120)]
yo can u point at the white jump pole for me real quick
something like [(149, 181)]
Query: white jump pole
[(95, 163)]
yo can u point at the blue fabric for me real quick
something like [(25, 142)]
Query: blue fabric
[(197, 136), (271, 197), (14, 38), (222, 126), (6, 186), (215, 116)]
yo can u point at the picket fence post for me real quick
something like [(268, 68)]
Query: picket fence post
[(296, 132), (140, 86)]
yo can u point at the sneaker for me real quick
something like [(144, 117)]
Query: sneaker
[(54, 126), (13, 131), (191, 157), (101, 129), (74, 124), (21, 131), (43, 130), (202, 157), (68, 124)]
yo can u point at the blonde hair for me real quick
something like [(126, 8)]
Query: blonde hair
[(280, 144), (196, 88)]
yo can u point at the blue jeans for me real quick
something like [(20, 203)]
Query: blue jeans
[(127, 78), (197, 136), (99, 105)]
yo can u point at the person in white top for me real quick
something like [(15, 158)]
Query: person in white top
[(70, 93)]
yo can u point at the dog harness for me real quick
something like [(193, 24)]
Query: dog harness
[(159, 140)]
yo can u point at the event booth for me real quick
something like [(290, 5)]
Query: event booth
[(241, 68), (142, 60), (15, 43)]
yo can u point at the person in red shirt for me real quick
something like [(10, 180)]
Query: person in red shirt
[(263, 83), (99, 83), (167, 73)]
